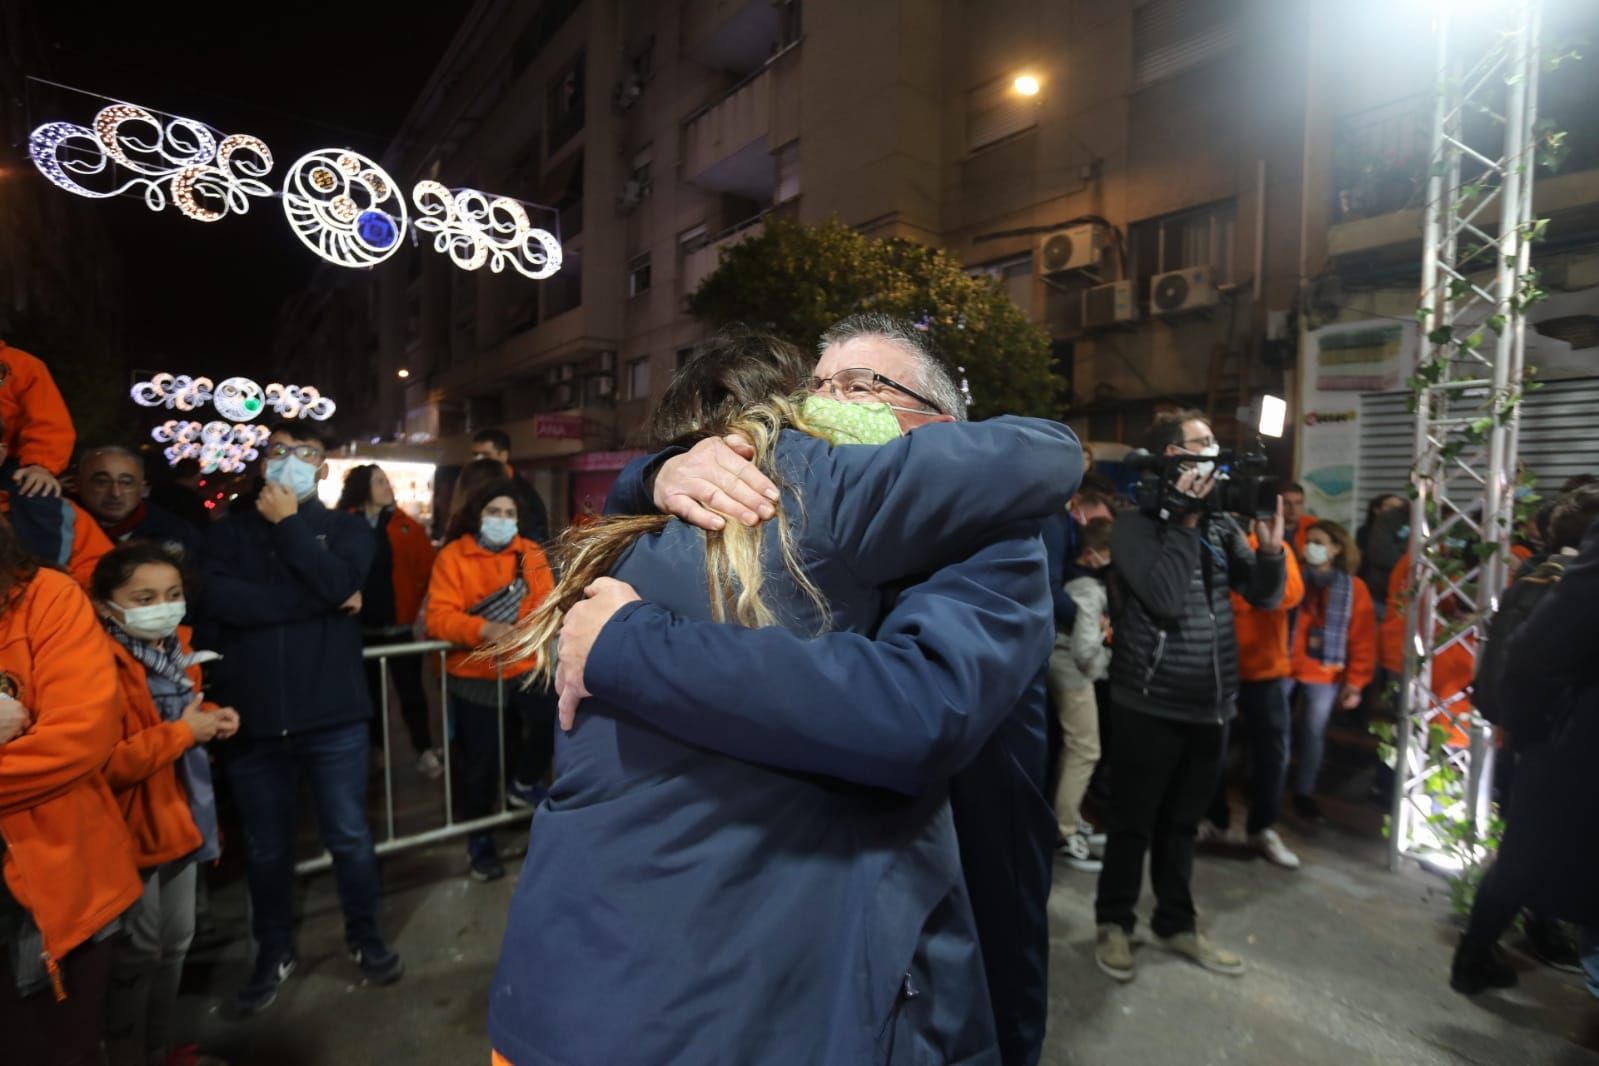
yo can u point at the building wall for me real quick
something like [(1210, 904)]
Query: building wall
[(877, 101)]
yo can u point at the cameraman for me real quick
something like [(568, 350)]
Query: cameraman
[(1174, 679)]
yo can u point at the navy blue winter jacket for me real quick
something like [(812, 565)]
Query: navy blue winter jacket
[(291, 659)]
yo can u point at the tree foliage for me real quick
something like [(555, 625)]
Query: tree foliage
[(796, 280)]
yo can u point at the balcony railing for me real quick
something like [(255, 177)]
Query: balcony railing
[(701, 262), (1380, 156), (728, 125)]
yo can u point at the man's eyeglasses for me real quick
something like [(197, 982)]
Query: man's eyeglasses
[(306, 453), (1199, 442), (861, 385)]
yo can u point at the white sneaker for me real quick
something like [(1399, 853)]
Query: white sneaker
[(1269, 844), (1209, 833), (1087, 830), (429, 765), (1075, 850)]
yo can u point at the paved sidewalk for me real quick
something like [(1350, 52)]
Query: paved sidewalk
[(1348, 965)]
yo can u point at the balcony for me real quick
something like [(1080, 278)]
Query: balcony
[(738, 35), (1380, 158), (725, 145), (699, 263)]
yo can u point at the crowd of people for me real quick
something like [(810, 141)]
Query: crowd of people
[(805, 732)]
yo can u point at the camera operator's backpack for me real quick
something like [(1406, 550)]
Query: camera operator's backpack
[(1521, 599)]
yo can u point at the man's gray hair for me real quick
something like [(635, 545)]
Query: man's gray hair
[(933, 378), (112, 449)]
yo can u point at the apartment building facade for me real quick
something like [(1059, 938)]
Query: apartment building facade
[(1162, 202)]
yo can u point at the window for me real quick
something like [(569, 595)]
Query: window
[(1171, 36), (565, 104), (788, 173), (640, 177), (683, 356), (996, 111), (692, 239), (638, 275), (1202, 237), (638, 379), (1014, 275)]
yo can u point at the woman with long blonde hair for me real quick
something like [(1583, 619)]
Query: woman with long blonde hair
[(681, 905)]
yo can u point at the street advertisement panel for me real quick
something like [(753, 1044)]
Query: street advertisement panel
[(1339, 362)]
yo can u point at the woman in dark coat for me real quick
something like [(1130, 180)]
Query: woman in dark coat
[(1553, 663)]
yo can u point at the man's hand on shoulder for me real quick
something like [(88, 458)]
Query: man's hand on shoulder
[(579, 629), (714, 478)]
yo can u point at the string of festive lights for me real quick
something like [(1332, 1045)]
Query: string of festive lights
[(238, 399), (180, 158), (214, 445), (341, 205), (344, 207), (471, 228)]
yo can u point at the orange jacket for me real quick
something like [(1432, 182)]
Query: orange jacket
[(142, 771), (464, 573), (38, 427), (1299, 534), (1452, 669), (413, 561), (69, 859), (89, 543), (1361, 666), (1263, 635)]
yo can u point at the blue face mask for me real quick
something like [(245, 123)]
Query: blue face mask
[(496, 533), (294, 474)]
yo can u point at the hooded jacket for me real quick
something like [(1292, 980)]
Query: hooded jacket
[(68, 859)]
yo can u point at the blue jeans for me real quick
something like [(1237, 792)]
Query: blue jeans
[(1263, 715), (265, 778), (1319, 700)]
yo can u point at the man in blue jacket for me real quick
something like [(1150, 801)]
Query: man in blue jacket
[(868, 709), (283, 581)]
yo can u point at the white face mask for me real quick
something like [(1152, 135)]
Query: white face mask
[(155, 621), (1206, 469), (1317, 554)]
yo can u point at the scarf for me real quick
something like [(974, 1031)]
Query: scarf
[(165, 666), (1338, 610), (120, 530)]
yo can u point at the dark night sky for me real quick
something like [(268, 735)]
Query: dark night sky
[(342, 73)]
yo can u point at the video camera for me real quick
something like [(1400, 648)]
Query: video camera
[(1242, 485), (1242, 488)]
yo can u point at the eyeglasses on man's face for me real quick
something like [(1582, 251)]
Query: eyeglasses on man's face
[(862, 385), (306, 453)]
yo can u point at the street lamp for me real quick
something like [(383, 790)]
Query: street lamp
[(404, 373), (1026, 85)]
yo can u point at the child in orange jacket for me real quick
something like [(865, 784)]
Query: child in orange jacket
[(1453, 668), (162, 779), (1334, 647), (487, 578), (68, 860), (36, 439)]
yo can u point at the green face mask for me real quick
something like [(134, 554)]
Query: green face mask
[(850, 423)]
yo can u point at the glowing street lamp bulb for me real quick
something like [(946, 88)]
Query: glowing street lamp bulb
[(404, 373), (1026, 84)]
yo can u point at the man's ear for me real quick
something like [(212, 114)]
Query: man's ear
[(322, 471)]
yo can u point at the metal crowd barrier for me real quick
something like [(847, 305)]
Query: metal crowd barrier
[(391, 841)]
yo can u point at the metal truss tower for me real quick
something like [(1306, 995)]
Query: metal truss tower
[(1478, 217)]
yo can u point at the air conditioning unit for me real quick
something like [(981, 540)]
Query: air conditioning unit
[(628, 90), (632, 194), (1177, 291), (1109, 305), (1073, 248)]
